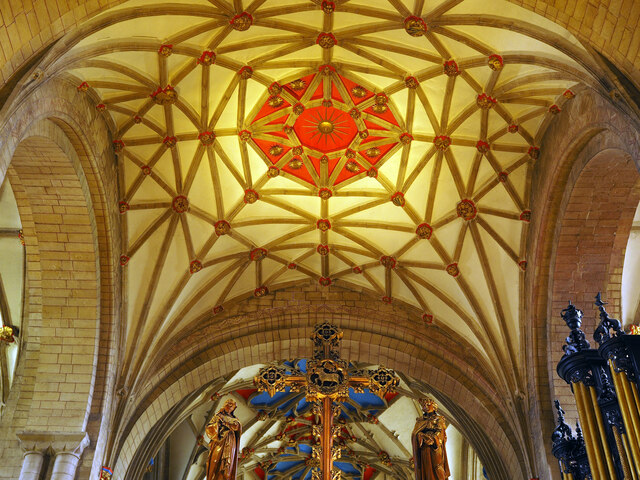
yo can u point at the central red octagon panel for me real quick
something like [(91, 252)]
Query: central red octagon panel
[(325, 129), (296, 134)]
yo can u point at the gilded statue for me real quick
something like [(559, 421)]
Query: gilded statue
[(224, 430), (428, 440)]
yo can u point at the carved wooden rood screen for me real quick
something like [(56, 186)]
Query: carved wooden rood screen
[(327, 381)]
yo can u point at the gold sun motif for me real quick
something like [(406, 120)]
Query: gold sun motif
[(326, 126)]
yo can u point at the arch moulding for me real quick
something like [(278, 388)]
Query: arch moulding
[(280, 334), (599, 148), (56, 121)]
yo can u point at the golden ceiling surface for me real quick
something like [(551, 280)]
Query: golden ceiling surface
[(384, 146)]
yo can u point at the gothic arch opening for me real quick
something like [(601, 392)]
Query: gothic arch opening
[(12, 283), (278, 437), (593, 232), (154, 412), (58, 200)]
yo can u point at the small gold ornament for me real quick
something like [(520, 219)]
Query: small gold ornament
[(261, 291), (451, 68), (245, 72), (359, 91), (275, 150), (388, 261), (442, 142), (165, 96), (323, 225), (424, 231), (295, 163), (415, 26), (372, 152), (486, 102), (398, 199), (275, 89), (495, 62), (195, 266), (323, 250), (326, 40), (483, 147), (273, 172), (241, 22), (453, 270), (466, 209), (180, 204), (275, 101), (250, 196), (222, 227), (352, 167), (325, 193), (411, 82), (328, 7), (165, 50), (257, 254), (207, 58), (207, 138), (170, 142), (298, 85)]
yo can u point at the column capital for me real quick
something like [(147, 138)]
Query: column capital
[(55, 442)]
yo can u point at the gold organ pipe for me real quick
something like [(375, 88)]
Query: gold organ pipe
[(636, 400), (627, 449), (590, 437), (624, 460), (632, 409), (603, 434), (626, 417)]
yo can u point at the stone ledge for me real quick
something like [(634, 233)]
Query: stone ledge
[(55, 442)]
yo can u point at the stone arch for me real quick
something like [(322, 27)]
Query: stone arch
[(591, 182), (72, 283), (593, 230), (285, 335)]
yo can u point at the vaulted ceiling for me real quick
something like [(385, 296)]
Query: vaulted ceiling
[(383, 146)]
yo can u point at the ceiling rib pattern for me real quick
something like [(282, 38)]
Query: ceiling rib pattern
[(382, 146)]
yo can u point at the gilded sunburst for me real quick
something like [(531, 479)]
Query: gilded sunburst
[(326, 128)]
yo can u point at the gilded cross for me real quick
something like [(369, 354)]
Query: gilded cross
[(327, 380)]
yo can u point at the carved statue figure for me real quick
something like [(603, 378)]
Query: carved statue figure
[(428, 440), (224, 430)]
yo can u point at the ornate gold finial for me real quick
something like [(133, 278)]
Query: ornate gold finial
[(428, 405)]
